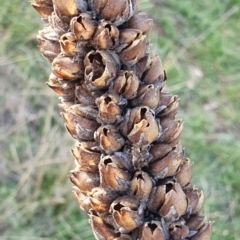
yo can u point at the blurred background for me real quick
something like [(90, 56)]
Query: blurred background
[(198, 42)]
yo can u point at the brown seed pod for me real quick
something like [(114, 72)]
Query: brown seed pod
[(44, 8), (156, 198), (101, 230), (175, 204), (57, 24), (48, 43), (140, 126), (115, 11), (184, 174), (126, 84), (127, 212), (151, 231), (109, 110), (87, 155), (204, 233), (132, 46), (67, 68), (101, 199), (178, 230), (71, 47), (64, 90), (83, 200), (141, 22), (154, 72), (71, 8), (78, 125), (172, 131), (147, 95), (168, 106), (84, 181), (166, 166), (195, 201), (141, 186), (109, 139), (159, 151), (106, 36), (195, 222), (83, 26), (85, 96), (100, 69), (112, 176)]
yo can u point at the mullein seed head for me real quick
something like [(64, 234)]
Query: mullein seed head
[(132, 176)]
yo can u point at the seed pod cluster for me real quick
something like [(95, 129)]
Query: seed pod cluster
[(131, 175)]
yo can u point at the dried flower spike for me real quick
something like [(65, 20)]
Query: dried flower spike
[(132, 177)]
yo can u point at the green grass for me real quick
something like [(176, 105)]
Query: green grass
[(198, 42)]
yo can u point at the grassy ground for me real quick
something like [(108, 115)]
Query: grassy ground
[(198, 42)]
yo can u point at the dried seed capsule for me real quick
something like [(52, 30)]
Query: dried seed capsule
[(175, 204), (147, 95), (168, 107), (140, 126), (109, 110), (151, 231), (184, 174), (141, 186), (79, 126), (154, 72), (83, 26), (100, 69), (132, 46), (112, 176), (57, 24), (195, 201), (101, 199), (64, 90), (43, 8), (85, 96), (115, 11), (204, 233), (70, 9), (195, 222), (126, 84), (178, 230), (106, 36), (141, 22), (83, 200), (127, 213), (159, 151), (101, 230), (109, 138), (87, 156), (48, 43), (84, 181), (122, 160), (156, 198), (71, 47), (67, 68), (173, 130), (166, 166)]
